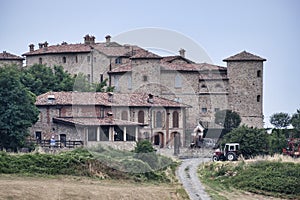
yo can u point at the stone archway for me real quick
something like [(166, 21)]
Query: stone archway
[(172, 139)]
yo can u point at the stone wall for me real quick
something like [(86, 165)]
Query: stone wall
[(18, 63)]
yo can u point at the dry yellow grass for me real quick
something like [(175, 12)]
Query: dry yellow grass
[(276, 157), (76, 188)]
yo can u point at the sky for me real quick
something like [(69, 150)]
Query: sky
[(269, 28)]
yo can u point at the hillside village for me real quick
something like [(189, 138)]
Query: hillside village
[(155, 97)]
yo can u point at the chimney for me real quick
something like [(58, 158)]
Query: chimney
[(51, 99), (110, 97), (182, 53), (92, 39), (150, 98), (110, 116), (31, 47), (46, 44), (41, 45), (107, 38), (86, 39)]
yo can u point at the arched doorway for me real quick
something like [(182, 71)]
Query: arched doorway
[(174, 136), (159, 139)]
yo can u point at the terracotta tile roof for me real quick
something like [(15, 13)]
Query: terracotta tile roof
[(8, 56), (244, 56), (81, 121), (127, 67), (97, 98), (169, 59), (192, 67), (115, 50), (63, 48), (142, 53), (213, 76)]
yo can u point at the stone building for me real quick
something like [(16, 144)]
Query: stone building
[(10, 59), (207, 88), (109, 119)]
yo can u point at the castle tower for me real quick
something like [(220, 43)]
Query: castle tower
[(245, 73)]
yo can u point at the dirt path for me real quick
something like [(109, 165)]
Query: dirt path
[(187, 174)]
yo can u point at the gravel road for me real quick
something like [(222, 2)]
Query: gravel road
[(187, 174)]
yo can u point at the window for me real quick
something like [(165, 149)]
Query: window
[(217, 109), (178, 81), (76, 59), (158, 119), (88, 59), (175, 119), (89, 77), (92, 134), (204, 110), (141, 116), (203, 86), (104, 133), (94, 59), (124, 115), (129, 82), (218, 85), (40, 61), (64, 59), (101, 78), (118, 61), (258, 73), (258, 98), (145, 78)]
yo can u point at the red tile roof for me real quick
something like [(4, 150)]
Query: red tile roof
[(169, 59), (244, 56), (8, 56), (142, 53), (63, 48), (97, 98), (81, 121)]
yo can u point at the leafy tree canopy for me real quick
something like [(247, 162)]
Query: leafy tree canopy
[(227, 118), (280, 120), (144, 146), (295, 120), (253, 141), (17, 109)]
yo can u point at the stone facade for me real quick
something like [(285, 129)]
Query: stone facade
[(7, 59), (108, 118), (206, 88)]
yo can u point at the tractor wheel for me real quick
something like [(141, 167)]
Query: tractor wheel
[(215, 158), (231, 157)]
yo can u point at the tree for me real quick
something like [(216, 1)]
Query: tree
[(253, 141), (295, 120), (227, 118), (280, 120), (144, 146), (17, 110), (63, 80)]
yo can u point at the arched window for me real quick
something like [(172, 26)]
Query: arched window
[(124, 115), (258, 73), (258, 98), (175, 119), (159, 119), (141, 116), (203, 86), (178, 81), (64, 59)]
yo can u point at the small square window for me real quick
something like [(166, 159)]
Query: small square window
[(145, 78), (204, 110)]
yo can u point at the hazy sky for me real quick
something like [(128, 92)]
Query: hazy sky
[(268, 28)]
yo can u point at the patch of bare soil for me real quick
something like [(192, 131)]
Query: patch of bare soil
[(76, 188)]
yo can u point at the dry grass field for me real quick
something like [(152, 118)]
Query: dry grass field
[(14, 187)]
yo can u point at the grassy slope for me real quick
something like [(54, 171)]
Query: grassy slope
[(274, 178)]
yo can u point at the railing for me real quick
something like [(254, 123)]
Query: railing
[(58, 143)]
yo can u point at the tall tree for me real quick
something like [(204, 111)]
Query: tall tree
[(253, 141), (228, 119), (295, 121), (280, 120), (17, 109)]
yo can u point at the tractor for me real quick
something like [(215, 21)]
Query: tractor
[(230, 152), (293, 148)]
